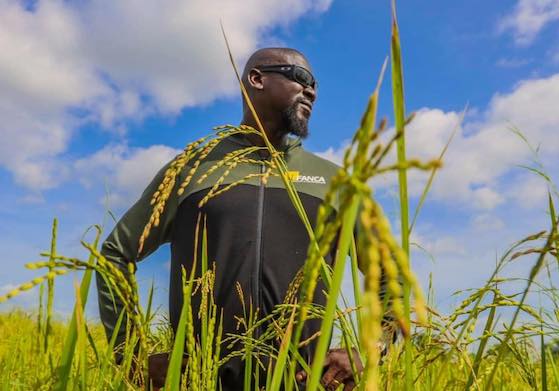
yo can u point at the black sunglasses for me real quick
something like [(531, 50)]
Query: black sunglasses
[(292, 72)]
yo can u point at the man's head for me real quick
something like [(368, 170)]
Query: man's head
[(282, 89)]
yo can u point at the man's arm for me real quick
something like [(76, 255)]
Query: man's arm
[(121, 248)]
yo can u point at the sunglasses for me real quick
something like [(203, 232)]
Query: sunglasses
[(292, 72)]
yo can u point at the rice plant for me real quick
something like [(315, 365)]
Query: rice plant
[(436, 351)]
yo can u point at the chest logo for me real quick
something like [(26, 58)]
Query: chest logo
[(296, 177)]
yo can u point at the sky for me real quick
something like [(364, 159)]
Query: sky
[(95, 97)]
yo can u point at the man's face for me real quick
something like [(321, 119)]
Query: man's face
[(292, 100)]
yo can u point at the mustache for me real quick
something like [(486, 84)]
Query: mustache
[(303, 100)]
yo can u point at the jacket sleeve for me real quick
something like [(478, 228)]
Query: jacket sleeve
[(121, 248)]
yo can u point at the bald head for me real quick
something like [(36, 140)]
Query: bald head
[(271, 56)]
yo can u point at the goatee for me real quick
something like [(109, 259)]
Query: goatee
[(294, 124)]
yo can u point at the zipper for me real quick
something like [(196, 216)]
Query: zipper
[(257, 277)]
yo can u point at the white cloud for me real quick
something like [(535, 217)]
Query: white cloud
[(529, 191), (441, 246), (484, 150), (486, 198), (528, 18), (335, 155), (128, 171), (41, 74), (159, 48), (64, 64), (486, 222), (487, 201)]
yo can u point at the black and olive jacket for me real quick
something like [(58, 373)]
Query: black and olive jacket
[(254, 237)]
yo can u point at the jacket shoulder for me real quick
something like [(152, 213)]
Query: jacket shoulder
[(313, 162)]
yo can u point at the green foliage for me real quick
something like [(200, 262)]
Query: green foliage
[(439, 351)]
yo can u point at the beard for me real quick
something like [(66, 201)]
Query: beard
[(294, 123)]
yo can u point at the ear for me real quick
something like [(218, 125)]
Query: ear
[(255, 79)]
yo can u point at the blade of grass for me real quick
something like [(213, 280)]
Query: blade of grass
[(204, 265), (356, 286), (554, 367), (65, 365), (248, 354), (109, 353), (50, 284), (533, 273), (128, 358), (40, 317), (81, 342), (173, 378), (554, 218), (92, 342), (543, 362), (328, 319), (347, 334), (150, 302), (282, 355), (400, 118), (482, 345)]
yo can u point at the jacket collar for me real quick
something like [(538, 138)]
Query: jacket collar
[(288, 144)]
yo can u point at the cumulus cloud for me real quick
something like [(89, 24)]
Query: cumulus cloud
[(127, 170), (441, 246), (529, 191), (335, 155), (484, 151), (64, 64), (486, 222), (42, 73), (528, 18), (160, 50)]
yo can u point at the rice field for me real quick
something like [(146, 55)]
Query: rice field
[(492, 340)]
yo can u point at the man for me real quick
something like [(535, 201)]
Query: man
[(255, 236)]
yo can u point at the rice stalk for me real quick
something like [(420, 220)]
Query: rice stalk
[(399, 119)]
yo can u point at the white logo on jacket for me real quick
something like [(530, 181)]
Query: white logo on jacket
[(296, 177)]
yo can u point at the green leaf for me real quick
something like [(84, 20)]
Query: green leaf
[(400, 120), (65, 365), (344, 243), (172, 381)]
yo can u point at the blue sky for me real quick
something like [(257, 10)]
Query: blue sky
[(94, 98)]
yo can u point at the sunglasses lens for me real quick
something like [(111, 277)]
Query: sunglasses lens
[(304, 77)]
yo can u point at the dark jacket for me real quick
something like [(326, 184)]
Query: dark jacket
[(255, 237)]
